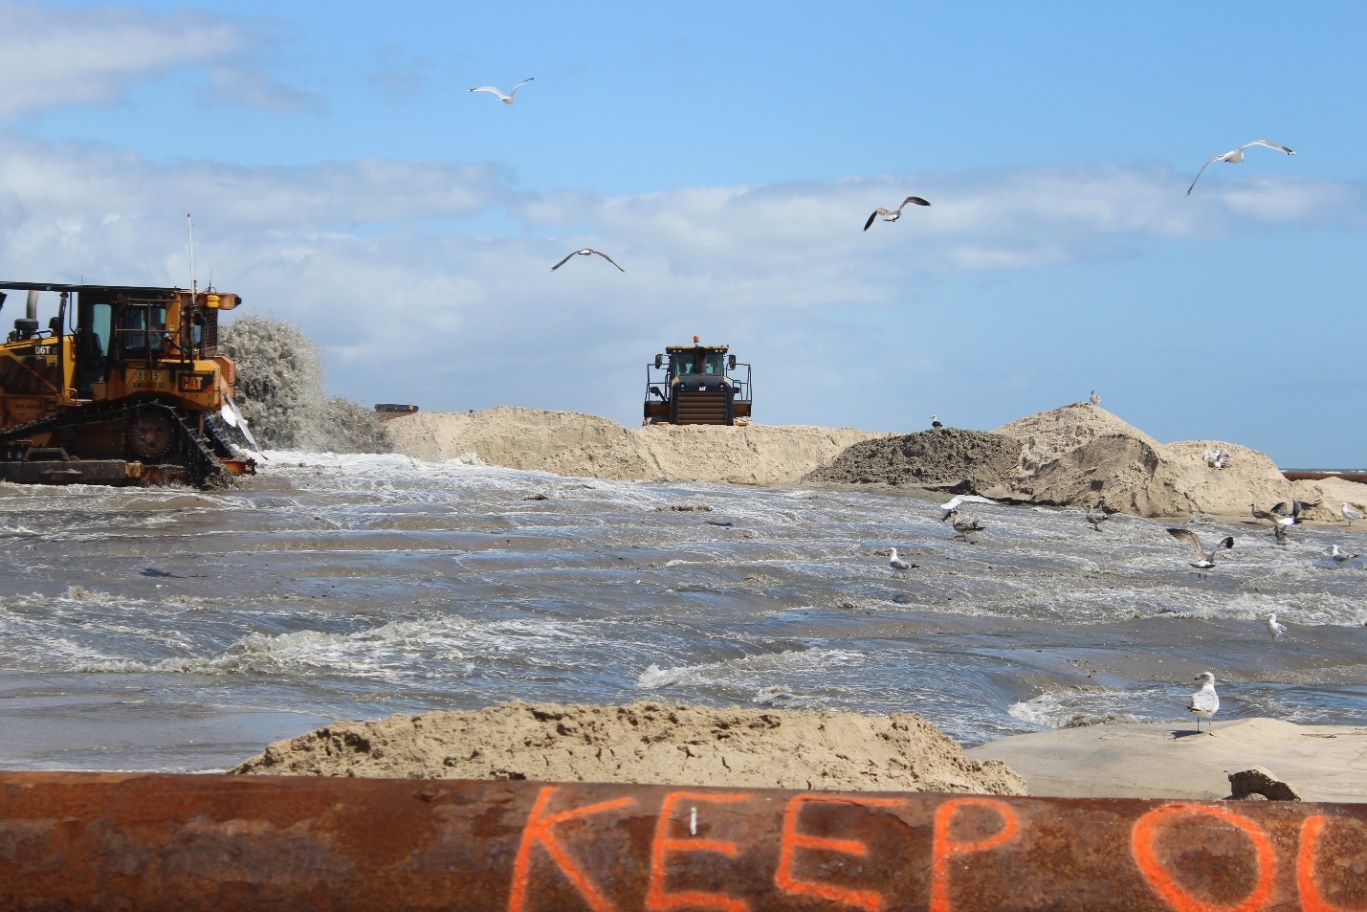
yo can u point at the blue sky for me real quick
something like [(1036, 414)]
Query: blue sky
[(342, 177)]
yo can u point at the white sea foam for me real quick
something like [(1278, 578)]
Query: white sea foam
[(753, 672), (1076, 706)]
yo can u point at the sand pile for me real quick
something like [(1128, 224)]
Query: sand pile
[(949, 459), (1047, 436), (1079, 453), (570, 443), (645, 743)]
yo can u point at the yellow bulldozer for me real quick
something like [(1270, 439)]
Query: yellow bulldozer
[(697, 384), (123, 386)]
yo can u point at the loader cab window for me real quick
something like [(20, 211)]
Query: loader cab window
[(93, 326), (142, 329), (697, 361), (98, 329)]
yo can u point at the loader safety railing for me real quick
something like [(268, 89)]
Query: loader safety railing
[(188, 842)]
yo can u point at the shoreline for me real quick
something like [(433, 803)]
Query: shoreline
[(1071, 456)]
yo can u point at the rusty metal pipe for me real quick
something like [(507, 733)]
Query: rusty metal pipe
[(114, 841)]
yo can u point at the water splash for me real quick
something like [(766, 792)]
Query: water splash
[(281, 392)]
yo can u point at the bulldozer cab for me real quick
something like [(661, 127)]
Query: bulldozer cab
[(701, 360), (116, 330)]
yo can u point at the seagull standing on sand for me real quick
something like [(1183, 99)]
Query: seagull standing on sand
[(892, 215), (1237, 156), (1205, 702), (936, 423), (506, 99), (587, 251), (896, 562), (1349, 514), (1205, 559), (1275, 628), (1094, 398)]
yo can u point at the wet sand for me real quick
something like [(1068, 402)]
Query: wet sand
[(52, 725)]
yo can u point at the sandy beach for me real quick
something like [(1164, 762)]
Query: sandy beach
[(1072, 456), (749, 748), (1163, 760)]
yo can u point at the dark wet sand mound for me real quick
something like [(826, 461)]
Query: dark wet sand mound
[(948, 459)]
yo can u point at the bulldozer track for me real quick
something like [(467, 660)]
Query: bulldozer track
[(188, 449)]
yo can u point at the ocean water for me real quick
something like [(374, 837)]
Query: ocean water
[(171, 630)]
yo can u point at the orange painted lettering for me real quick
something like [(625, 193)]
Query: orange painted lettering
[(944, 848), (1307, 881), (539, 830), (1162, 882), (794, 840), (659, 899)]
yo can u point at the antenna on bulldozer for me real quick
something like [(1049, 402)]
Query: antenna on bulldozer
[(190, 224)]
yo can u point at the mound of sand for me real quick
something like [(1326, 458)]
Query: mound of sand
[(1080, 453), (587, 446), (645, 743), (1047, 436), (949, 459)]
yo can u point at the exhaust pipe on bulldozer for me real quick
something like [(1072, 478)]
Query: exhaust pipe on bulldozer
[(27, 325)]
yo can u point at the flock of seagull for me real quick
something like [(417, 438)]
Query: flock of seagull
[(1204, 702), (1282, 516), (1234, 156)]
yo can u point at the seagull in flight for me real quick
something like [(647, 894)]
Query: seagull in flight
[(1274, 628), (1205, 702), (1205, 560), (506, 99), (1281, 517), (951, 507), (896, 562), (892, 215), (1237, 156), (585, 252), (1349, 514)]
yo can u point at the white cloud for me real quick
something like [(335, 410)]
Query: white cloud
[(92, 183), (60, 56), (394, 267)]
